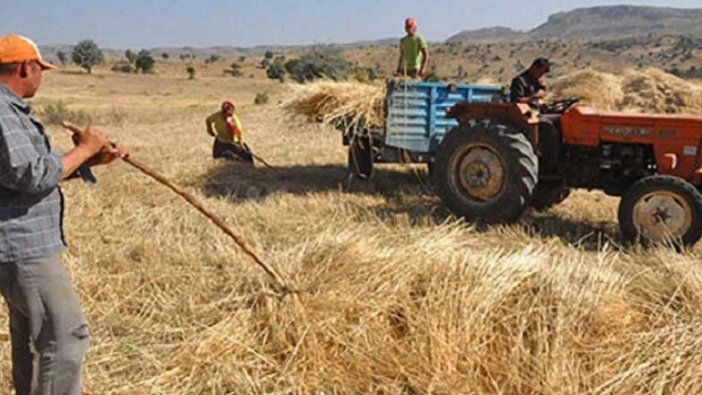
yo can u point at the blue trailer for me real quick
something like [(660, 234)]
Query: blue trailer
[(415, 123)]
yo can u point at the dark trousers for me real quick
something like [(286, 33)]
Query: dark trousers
[(49, 333), (231, 151)]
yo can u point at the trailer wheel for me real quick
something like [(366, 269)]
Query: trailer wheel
[(360, 157), (659, 209), (486, 171)]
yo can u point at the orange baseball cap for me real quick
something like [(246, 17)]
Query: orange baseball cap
[(410, 22), (15, 49)]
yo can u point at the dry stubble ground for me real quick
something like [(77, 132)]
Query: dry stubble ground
[(399, 297)]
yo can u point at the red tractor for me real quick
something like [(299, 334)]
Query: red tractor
[(504, 158)]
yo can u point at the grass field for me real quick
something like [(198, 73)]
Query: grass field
[(397, 296)]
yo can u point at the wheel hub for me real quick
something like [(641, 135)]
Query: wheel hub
[(481, 173), (662, 215)]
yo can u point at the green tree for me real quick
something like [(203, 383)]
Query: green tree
[(87, 54), (268, 55), (130, 55), (165, 55), (191, 72), (144, 62), (62, 57)]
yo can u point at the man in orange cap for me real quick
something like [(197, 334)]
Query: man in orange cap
[(44, 311), (414, 52), (225, 127)]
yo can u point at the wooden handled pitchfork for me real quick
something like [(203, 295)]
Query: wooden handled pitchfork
[(240, 241)]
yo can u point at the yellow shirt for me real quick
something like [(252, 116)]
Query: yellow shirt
[(217, 127)]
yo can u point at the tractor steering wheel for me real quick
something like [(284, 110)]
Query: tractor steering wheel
[(560, 106)]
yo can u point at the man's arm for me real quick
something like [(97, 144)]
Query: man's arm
[(208, 124), (236, 123), (91, 147), (425, 62), (518, 92), (424, 49), (24, 169)]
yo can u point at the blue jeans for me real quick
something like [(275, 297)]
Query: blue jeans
[(48, 330)]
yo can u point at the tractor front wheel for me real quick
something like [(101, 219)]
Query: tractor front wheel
[(486, 171), (658, 209)]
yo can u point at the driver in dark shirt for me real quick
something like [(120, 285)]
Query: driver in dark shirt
[(529, 87)]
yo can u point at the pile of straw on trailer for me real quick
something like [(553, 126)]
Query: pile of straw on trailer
[(344, 105), (354, 106), (648, 91)]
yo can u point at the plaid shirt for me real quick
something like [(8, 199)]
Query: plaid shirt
[(31, 204)]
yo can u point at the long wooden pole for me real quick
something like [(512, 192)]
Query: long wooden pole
[(240, 241)]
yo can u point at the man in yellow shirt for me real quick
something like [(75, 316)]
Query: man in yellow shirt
[(226, 128), (414, 52)]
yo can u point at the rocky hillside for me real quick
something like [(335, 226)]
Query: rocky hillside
[(600, 23)]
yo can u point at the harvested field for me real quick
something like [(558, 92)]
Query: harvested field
[(398, 296)]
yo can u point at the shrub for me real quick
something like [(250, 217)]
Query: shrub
[(213, 59), (144, 62), (321, 62), (365, 74), (56, 112), (62, 57), (191, 72), (130, 55), (261, 98), (123, 67), (236, 70), (276, 70)]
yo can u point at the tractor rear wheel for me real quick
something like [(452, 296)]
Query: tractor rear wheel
[(360, 160), (486, 171), (658, 209)]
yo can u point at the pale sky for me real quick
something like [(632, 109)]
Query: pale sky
[(151, 23)]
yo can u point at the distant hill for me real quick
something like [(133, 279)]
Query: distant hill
[(489, 34), (618, 21), (599, 23)]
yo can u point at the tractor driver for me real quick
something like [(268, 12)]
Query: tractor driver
[(529, 87)]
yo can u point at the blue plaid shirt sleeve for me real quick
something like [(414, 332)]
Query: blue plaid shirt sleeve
[(22, 167)]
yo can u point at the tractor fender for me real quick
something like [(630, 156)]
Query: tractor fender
[(468, 124), (517, 115)]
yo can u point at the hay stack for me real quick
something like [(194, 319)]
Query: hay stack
[(656, 91), (350, 105), (595, 89), (650, 91)]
